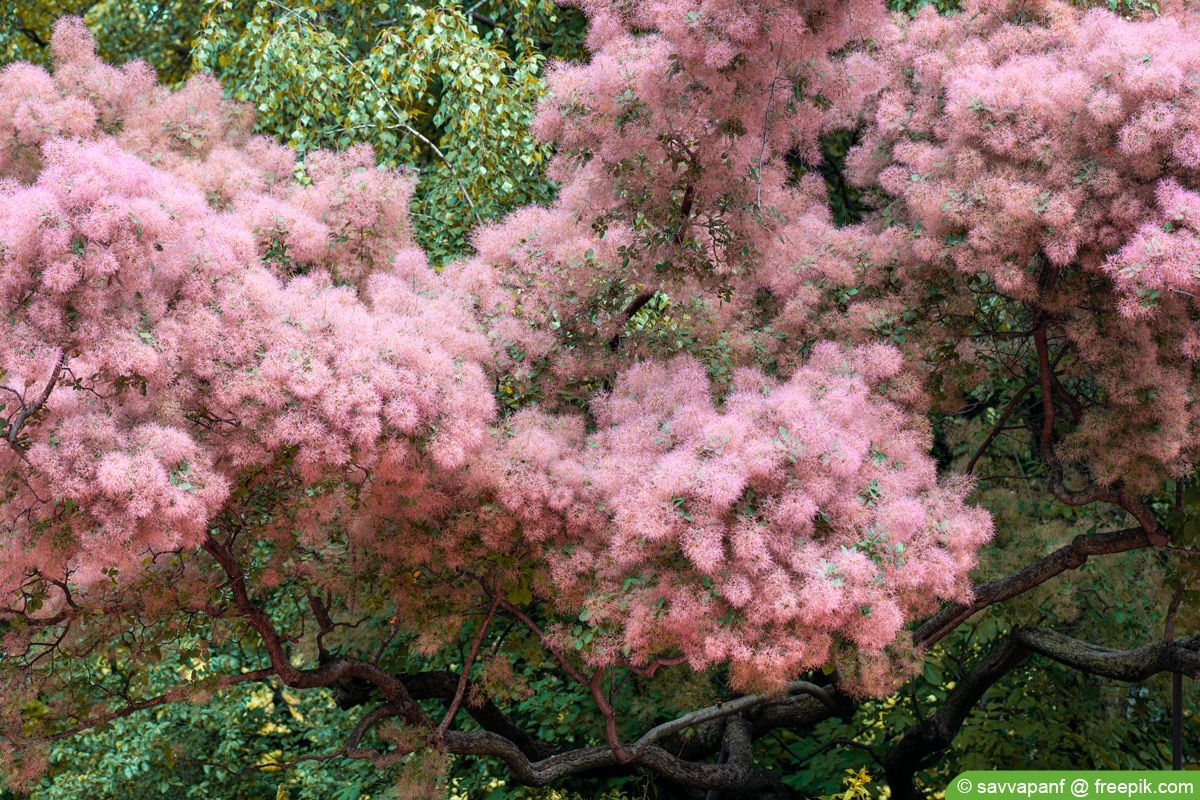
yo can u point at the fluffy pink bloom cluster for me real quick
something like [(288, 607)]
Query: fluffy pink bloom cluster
[(673, 146), (728, 505), (693, 470), (197, 316), (1031, 139), (758, 534), (1054, 153), (711, 93)]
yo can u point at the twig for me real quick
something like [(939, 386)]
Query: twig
[(18, 422), (466, 670), (766, 122), (995, 431), (827, 746)]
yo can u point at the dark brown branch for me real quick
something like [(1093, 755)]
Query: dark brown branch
[(730, 708), (30, 34), (324, 623), (537, 631), (1071, 401), (442, 684), (1172, 610), (685, 211), (326, 674), (999, 426), (172, 696), (1045, 437), (461, 690), (18, 422), (483, 19), (737, 775), (370, 720), (1070, 556), (1094, 494), (935, 733), (646, 296)]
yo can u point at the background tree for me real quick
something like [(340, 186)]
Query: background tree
[(161, 34), (446, 89)]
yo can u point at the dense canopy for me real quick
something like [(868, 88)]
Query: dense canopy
[(676, 432)]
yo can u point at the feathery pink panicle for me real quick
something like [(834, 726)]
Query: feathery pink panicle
[(753, 520), (699, 146), (777, 517), (213, 316), (1087, 176)]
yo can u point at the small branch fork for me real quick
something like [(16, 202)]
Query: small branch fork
[(1049, 389), (461, 690), (17, 422)]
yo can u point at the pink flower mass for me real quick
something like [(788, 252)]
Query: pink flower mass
[(199, 317), (679, 408)]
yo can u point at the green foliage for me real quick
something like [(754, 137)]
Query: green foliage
[(429, 87), (186, 751), (189, 750), (159, 33)]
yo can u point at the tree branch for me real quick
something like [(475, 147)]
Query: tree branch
[(172, 696), (936, 732), (999, 426), (1070, 556), (732, 707), (738, 774), (461, 689), (18, 422), (324, 675)]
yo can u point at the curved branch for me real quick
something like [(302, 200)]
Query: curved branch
[(370, 720), (442, 684), (171, 696), (937, 731), (324, 675), (1132, 666), (18, 422), (732, 707), (738, 774), (460, 691), (1070, 556)]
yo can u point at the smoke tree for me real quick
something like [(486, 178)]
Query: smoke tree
[(674, 423), (1040, 228)]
